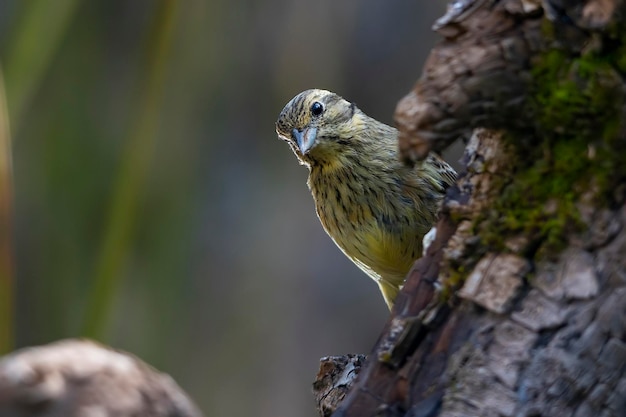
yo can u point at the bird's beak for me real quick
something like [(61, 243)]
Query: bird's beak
[(305, 138)]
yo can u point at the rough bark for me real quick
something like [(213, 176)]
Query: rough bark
[(519, 306), (76, 378)]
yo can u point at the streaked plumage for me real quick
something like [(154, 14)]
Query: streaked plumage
[(375, 208)]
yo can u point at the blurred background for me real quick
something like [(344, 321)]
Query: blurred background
[(153, 207)]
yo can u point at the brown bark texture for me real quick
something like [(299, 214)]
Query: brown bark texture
[(78, 378), (518, 307)]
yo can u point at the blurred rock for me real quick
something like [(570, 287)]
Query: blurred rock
[(79, 378)]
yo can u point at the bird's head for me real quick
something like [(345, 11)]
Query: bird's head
[(318, 125)]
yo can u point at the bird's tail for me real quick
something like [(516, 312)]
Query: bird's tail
[(389, 291)]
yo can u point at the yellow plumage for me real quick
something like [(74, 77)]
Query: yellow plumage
[(375, 208)]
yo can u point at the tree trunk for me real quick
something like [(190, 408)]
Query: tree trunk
[(518, 307)]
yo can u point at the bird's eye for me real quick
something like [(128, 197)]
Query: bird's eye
[(317, 108)]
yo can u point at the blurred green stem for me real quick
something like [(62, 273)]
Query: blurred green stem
[(6, 228), (35, 40), (136, 160)]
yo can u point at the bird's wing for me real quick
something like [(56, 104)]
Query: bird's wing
[(446, 172)]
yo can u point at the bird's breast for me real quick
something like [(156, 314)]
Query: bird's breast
[(369, 219)]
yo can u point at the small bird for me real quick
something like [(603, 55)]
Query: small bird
[(375, 208)]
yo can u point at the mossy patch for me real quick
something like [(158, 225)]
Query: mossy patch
[(454, 281), (539, 201), (577, 103)]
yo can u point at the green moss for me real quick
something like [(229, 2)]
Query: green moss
[(576, 102), (576, 147), (453, 282), (575, 96)]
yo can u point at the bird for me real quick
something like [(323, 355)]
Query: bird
[(373, 206)]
